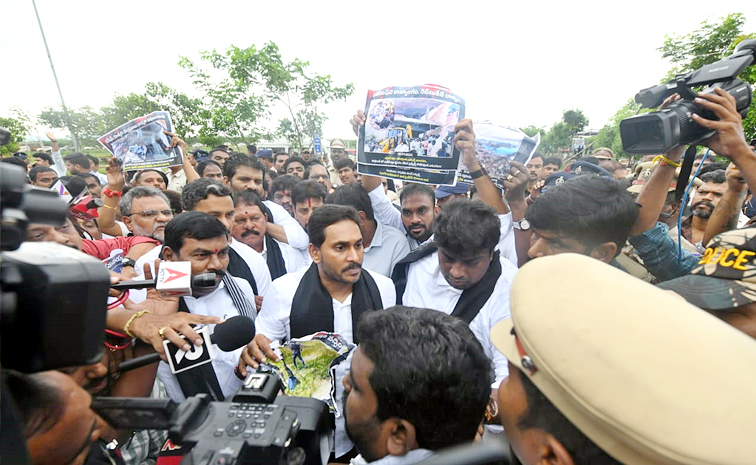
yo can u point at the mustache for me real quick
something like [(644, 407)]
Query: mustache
[(703, 202), (352, 266), (250, 232)]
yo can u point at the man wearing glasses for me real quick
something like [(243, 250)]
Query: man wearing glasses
[(146, 211)]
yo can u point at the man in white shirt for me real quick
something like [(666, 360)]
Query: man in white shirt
[(384, 246), (240, 173), (331, 295), (215, 199), (461, 273), (203, 240), (468, 269), (250, 227)]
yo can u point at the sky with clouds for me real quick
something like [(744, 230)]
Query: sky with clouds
[(516, 63)]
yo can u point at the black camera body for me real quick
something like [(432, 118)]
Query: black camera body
[(659, 131), (272, 429)]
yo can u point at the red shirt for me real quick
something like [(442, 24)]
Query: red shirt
[(101, 249)]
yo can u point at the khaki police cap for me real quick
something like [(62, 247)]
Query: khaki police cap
[(643, 174), (650, 379)]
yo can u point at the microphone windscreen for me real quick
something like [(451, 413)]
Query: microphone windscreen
[(234, 333)]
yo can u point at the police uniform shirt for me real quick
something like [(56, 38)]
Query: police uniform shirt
[(217, 303), (427, 288)]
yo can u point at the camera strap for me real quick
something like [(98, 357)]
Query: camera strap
[(684, 178)]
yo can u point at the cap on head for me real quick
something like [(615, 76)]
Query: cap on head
[(264, 153), (633, 374), (445, 191), (337, 144), (556, 179), (603, 153), (725, 278), (580, 168), (643, 173)]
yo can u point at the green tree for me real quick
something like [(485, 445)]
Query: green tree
[(533, 130), (709, 43), (575, 121), (185, 111), (557, 139), (83, 123), (18, 123), (245, 83)]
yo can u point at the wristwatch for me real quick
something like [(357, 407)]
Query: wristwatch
[(479, 174), (128, 262), (522, 225)]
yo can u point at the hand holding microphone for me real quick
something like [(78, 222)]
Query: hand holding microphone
[(228, 336)]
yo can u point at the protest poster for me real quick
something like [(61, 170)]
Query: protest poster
[(306, 366), (141, 143), (497, 146), (410, 128), (442, 177)]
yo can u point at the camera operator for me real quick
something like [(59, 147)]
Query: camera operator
[(55, 417), (419, 382), (649, 237)]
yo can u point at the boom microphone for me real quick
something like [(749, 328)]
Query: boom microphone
[(230, 335)]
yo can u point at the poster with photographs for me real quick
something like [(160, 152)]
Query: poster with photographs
[(410, 127), (141, 143), (497, 146), (440, 177)]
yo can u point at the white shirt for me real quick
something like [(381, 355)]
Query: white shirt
[(389, 245), (217, 303), (427, 288), (385, 212), (59, 165), (257, 265), (273, 322), (295, 235), (293, 258)]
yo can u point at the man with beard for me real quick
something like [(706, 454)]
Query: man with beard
[(250, 227), (331, 295), (703, 204), (146, 211), (409, 359)]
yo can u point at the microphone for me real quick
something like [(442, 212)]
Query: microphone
[(200, 280), (234, 333)]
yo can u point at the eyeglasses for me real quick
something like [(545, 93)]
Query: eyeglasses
[(319, 176), (153, 213)]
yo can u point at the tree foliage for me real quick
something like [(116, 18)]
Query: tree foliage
[(244, 84), (711, 42), (18, 123), (559, 136)]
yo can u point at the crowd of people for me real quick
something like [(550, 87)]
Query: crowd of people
[(586, 314)]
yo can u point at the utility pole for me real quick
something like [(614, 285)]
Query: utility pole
[(55, 75)]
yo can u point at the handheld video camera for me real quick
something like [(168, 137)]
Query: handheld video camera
[(257, 427), (659, 131), (50, 291)]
